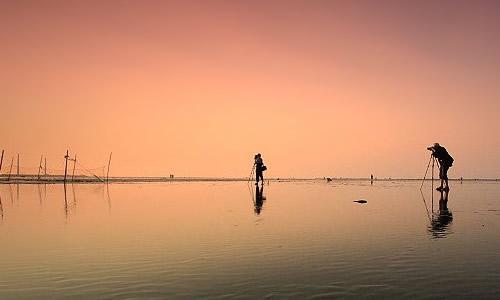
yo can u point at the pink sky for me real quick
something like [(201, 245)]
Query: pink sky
[(320, 88)]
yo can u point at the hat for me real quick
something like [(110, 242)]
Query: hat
[(436, 145)]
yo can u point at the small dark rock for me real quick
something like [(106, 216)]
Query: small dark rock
[(360, 201)]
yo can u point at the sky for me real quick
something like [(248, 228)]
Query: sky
[(196, 88)]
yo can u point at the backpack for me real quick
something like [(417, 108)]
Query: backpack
[(450, 160)]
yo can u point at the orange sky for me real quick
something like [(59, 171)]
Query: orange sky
[(196, 88)]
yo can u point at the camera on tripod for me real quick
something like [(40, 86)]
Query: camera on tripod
[(434, 147)]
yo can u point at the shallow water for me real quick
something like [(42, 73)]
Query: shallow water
[(212, 240)]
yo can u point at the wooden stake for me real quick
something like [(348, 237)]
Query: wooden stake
[(66, 167), (74, 166), (40, 166), (10, 171), (1, 161), (109, 163)]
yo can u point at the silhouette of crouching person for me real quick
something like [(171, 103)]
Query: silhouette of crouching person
[(445, 162)]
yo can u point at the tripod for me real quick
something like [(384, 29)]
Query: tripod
[(251, 173), (434, 161)]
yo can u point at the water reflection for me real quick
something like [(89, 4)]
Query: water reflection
[(109, 198), (65, 202), (166, 240), (441, 220), (10, 193), (41, 198), (1, 207), (259, 199), (69, 207), (69, 198)]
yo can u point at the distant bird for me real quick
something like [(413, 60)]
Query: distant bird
[(360, 201)]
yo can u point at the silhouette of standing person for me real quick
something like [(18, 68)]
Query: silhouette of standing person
[(259, 198), (259, 168), (445, 162)]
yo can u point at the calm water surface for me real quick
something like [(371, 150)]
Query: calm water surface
[(305, 240)]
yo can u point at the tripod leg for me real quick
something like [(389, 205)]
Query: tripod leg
[(426, 170), (433, 162), (251, 173)]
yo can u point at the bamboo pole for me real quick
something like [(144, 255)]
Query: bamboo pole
[(10, 171), (1, 161), (40, 166), (66, 166), (109, 163), (74, 166)]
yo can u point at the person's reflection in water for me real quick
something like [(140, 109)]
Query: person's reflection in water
[(259, 198), (440, 224)]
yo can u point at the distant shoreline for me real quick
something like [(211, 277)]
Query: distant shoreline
[(58, 179)]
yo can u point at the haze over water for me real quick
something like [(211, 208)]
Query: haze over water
[(206, 240)]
